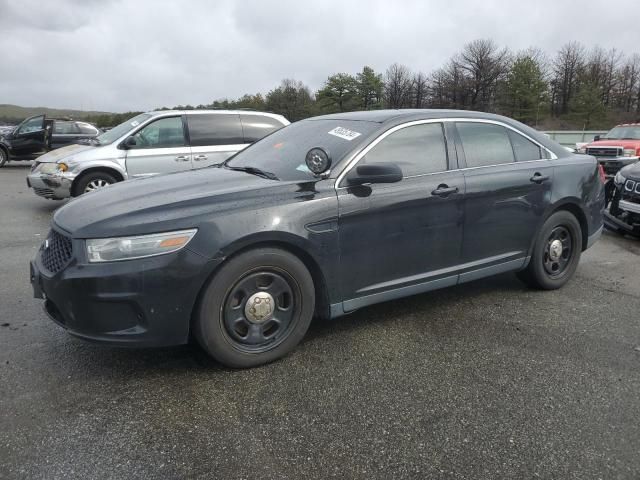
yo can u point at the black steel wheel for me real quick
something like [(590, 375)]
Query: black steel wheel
[(256, 308), (4, 157), (556, 252)]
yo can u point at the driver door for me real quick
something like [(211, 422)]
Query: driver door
[(29, 138), (160, 147)]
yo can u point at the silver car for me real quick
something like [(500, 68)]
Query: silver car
[(149, 144)]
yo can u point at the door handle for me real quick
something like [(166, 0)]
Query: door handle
[(200, 157), (182, 158), (539, 178), (444, 191)]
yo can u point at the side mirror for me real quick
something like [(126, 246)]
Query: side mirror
[(596, 138), (376, 173), (129, 142)]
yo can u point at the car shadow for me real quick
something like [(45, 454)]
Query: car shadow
[(105, 360)]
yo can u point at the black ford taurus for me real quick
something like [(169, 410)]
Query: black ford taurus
[(321, 218)]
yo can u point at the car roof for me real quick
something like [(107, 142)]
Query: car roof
[(158, 113), (404, 115)]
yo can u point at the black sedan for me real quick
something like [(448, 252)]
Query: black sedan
[(321, 218)]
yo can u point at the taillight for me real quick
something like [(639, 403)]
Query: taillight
[(603, 177)]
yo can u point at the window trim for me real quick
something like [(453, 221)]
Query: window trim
[(356, 156)]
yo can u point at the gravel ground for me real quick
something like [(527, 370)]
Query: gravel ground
[(484, 380)]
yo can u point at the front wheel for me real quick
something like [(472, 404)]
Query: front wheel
[(556, 252), (92, 182), (256, 308)]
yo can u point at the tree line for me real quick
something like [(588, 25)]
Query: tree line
[(576, 88)]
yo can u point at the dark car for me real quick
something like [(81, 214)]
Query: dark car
[(320, 218), (623, 214), (37, 135)]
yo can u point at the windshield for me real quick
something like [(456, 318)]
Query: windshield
[(115, 133), (630, 132), (283, 153)]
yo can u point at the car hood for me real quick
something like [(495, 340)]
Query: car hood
[(167, 202), (615, 143), (63, 153), (631, 171)]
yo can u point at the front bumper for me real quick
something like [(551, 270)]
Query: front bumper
[(612, 165), (144, 302), (54, 187)]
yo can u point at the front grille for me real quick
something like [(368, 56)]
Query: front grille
[(604, 151), (56, 252), (43, 192)]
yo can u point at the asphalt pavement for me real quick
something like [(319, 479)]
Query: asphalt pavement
[(484, 380)]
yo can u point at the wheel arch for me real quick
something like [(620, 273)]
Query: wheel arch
[(288, 242), (573, 206), (111, 171)]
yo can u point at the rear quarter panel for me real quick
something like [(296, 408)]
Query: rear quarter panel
[(577, 181)]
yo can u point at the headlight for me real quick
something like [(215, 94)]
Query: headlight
[(51, 168), (128, 248), (582, 149), (629, 152), (619, 179)]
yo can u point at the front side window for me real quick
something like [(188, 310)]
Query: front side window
[(163, 133), (214, 129), (417, 150), (31, 125), (524, 149), (256, 127), (485, 144)]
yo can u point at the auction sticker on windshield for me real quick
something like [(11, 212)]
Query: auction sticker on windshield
[(344, 133)]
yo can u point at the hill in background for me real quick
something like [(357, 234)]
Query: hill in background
[(13, 114)]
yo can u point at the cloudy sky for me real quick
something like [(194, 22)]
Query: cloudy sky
[(120, 55)]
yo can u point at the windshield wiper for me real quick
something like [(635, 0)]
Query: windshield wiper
[(254, 171)]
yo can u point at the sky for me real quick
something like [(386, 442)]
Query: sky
[(125, 55)]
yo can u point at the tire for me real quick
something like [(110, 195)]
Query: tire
[(548, 269), (233, 322), (4, 157), (94, 179)]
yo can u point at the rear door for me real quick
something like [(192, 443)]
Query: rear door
[(508, 188), (214, 137), (64, 133), (161, 147), (29, 139)]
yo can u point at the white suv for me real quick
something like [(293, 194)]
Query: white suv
[(149, 144)]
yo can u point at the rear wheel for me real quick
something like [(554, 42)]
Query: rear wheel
[(92, 182), (256, 308), (4, 157), (556, 252)]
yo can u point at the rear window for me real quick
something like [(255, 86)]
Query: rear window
[(215, 129), (256, 127)]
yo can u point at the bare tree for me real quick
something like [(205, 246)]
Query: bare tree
[(397, 88), (568, 62), (484, 65), (419, 86)]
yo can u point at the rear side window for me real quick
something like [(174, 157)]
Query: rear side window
[(256, 127), (417, 150), (485, 144), (65, 128), (214, 129), (87, 129), (524, 149)]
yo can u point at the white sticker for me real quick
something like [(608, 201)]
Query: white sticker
[(344, 133)]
